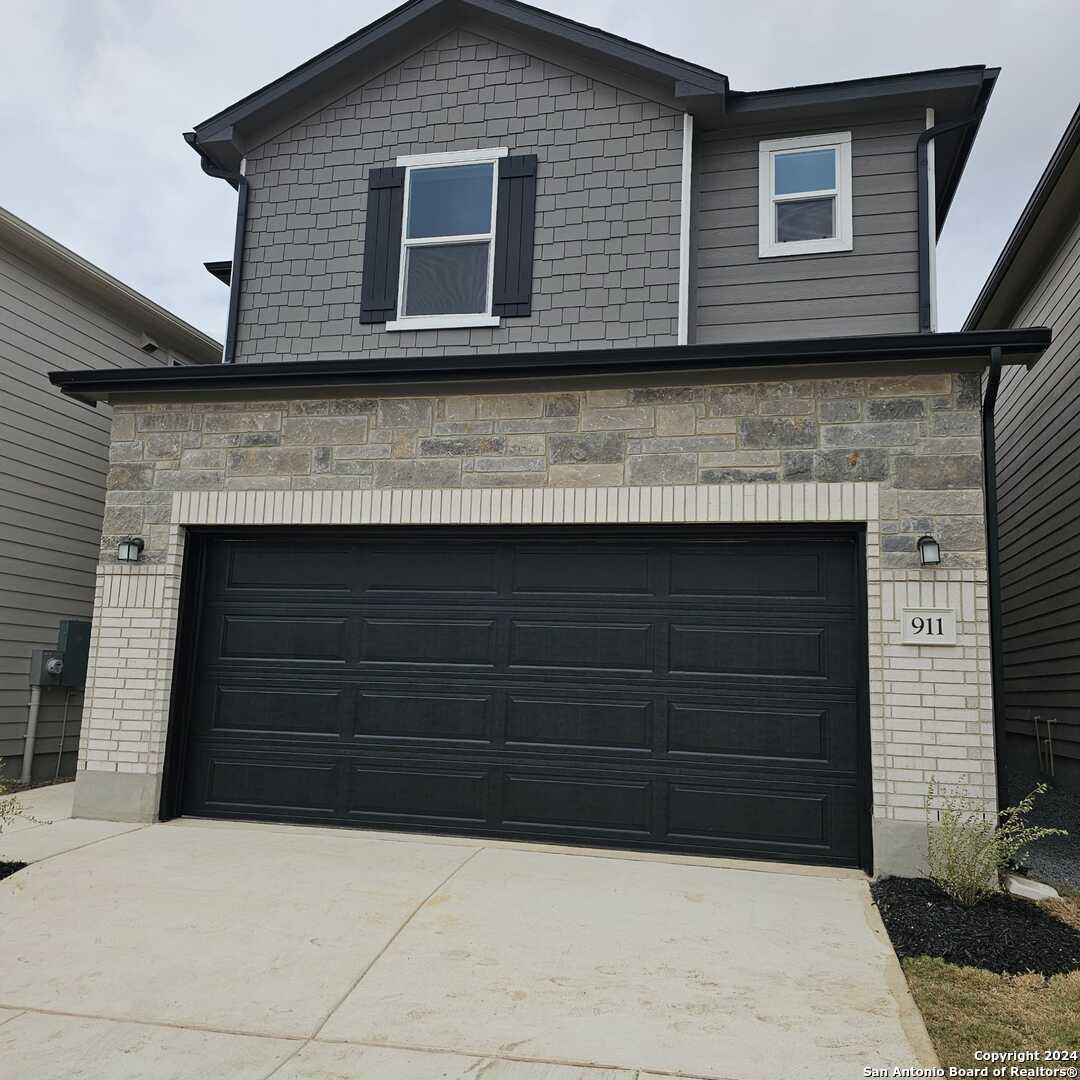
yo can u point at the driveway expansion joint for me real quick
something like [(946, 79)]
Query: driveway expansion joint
[(641, 1072), (393, 937), (209, 1029)]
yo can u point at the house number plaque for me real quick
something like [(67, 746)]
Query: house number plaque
[(928, 626)]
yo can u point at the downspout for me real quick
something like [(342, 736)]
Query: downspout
[(922, 160), (238, 181), (229, 355), (993, 575)]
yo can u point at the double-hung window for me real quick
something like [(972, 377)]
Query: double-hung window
[(448, 240), (804, 195)]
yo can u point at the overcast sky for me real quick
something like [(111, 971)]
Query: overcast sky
[(94, 95)]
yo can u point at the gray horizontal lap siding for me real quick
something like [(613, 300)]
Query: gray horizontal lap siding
[(53, 458), (607, 210), (872, 289), (1038, 426)]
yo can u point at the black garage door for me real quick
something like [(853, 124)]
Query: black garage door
[(692, 689)]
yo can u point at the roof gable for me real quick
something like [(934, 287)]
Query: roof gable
[(221, 139)]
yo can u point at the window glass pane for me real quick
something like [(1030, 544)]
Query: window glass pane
[(806, 170), (446, 279), (454, 200), (804, 219)]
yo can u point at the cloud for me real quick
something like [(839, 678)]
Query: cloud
[(96, 94)]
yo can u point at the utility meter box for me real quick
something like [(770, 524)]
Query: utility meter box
[(66, 664), (46, 667), (73, 644)]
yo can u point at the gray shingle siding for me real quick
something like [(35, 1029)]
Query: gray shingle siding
[(607, 222), (872, 289)]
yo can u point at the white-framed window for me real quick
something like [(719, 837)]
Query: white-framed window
[(447, 240), (804, 195)]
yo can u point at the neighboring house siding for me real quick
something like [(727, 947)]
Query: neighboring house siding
[(1038, 445), (872, 289), (53, 458), (607, 223)]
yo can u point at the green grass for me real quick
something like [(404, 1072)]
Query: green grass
[(968, 1009)]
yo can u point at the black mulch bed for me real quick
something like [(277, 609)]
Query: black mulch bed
[(1001, 934), (9, 868)]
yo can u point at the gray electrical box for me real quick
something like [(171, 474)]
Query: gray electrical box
[(73, 644), (44, 664), (66, 664)]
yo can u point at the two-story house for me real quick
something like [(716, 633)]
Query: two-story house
[(585, 466)]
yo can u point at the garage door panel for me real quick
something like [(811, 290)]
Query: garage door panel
[(243, 569), (586, 646), (283, 638), (577, 802), (799, 820), (280, 789), (553, 570), (575, 722), (822, 737), (745, 650), (650, 687), (436, 641), (697, 572), (410, 714), (435, 795), (298, 711), (414, 568)]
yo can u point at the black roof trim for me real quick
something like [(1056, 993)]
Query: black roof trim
[(219, 127), (948, 171), (1036, 204), (222, 270), (1018, 347), (816, 95)]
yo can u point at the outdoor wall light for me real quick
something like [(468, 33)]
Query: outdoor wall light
[(130, 549), (929, 551)]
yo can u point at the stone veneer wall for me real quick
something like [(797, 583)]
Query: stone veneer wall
[(606, 266), (899, 453)]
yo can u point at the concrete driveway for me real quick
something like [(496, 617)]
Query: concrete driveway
[(204, 949)]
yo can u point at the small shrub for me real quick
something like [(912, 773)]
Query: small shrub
[(967, 850)]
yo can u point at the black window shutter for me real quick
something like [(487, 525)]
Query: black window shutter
[(515, 220), (382, 245)]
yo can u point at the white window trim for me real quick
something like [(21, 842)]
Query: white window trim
[(454, 157), (768, 246), (411, 162)]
